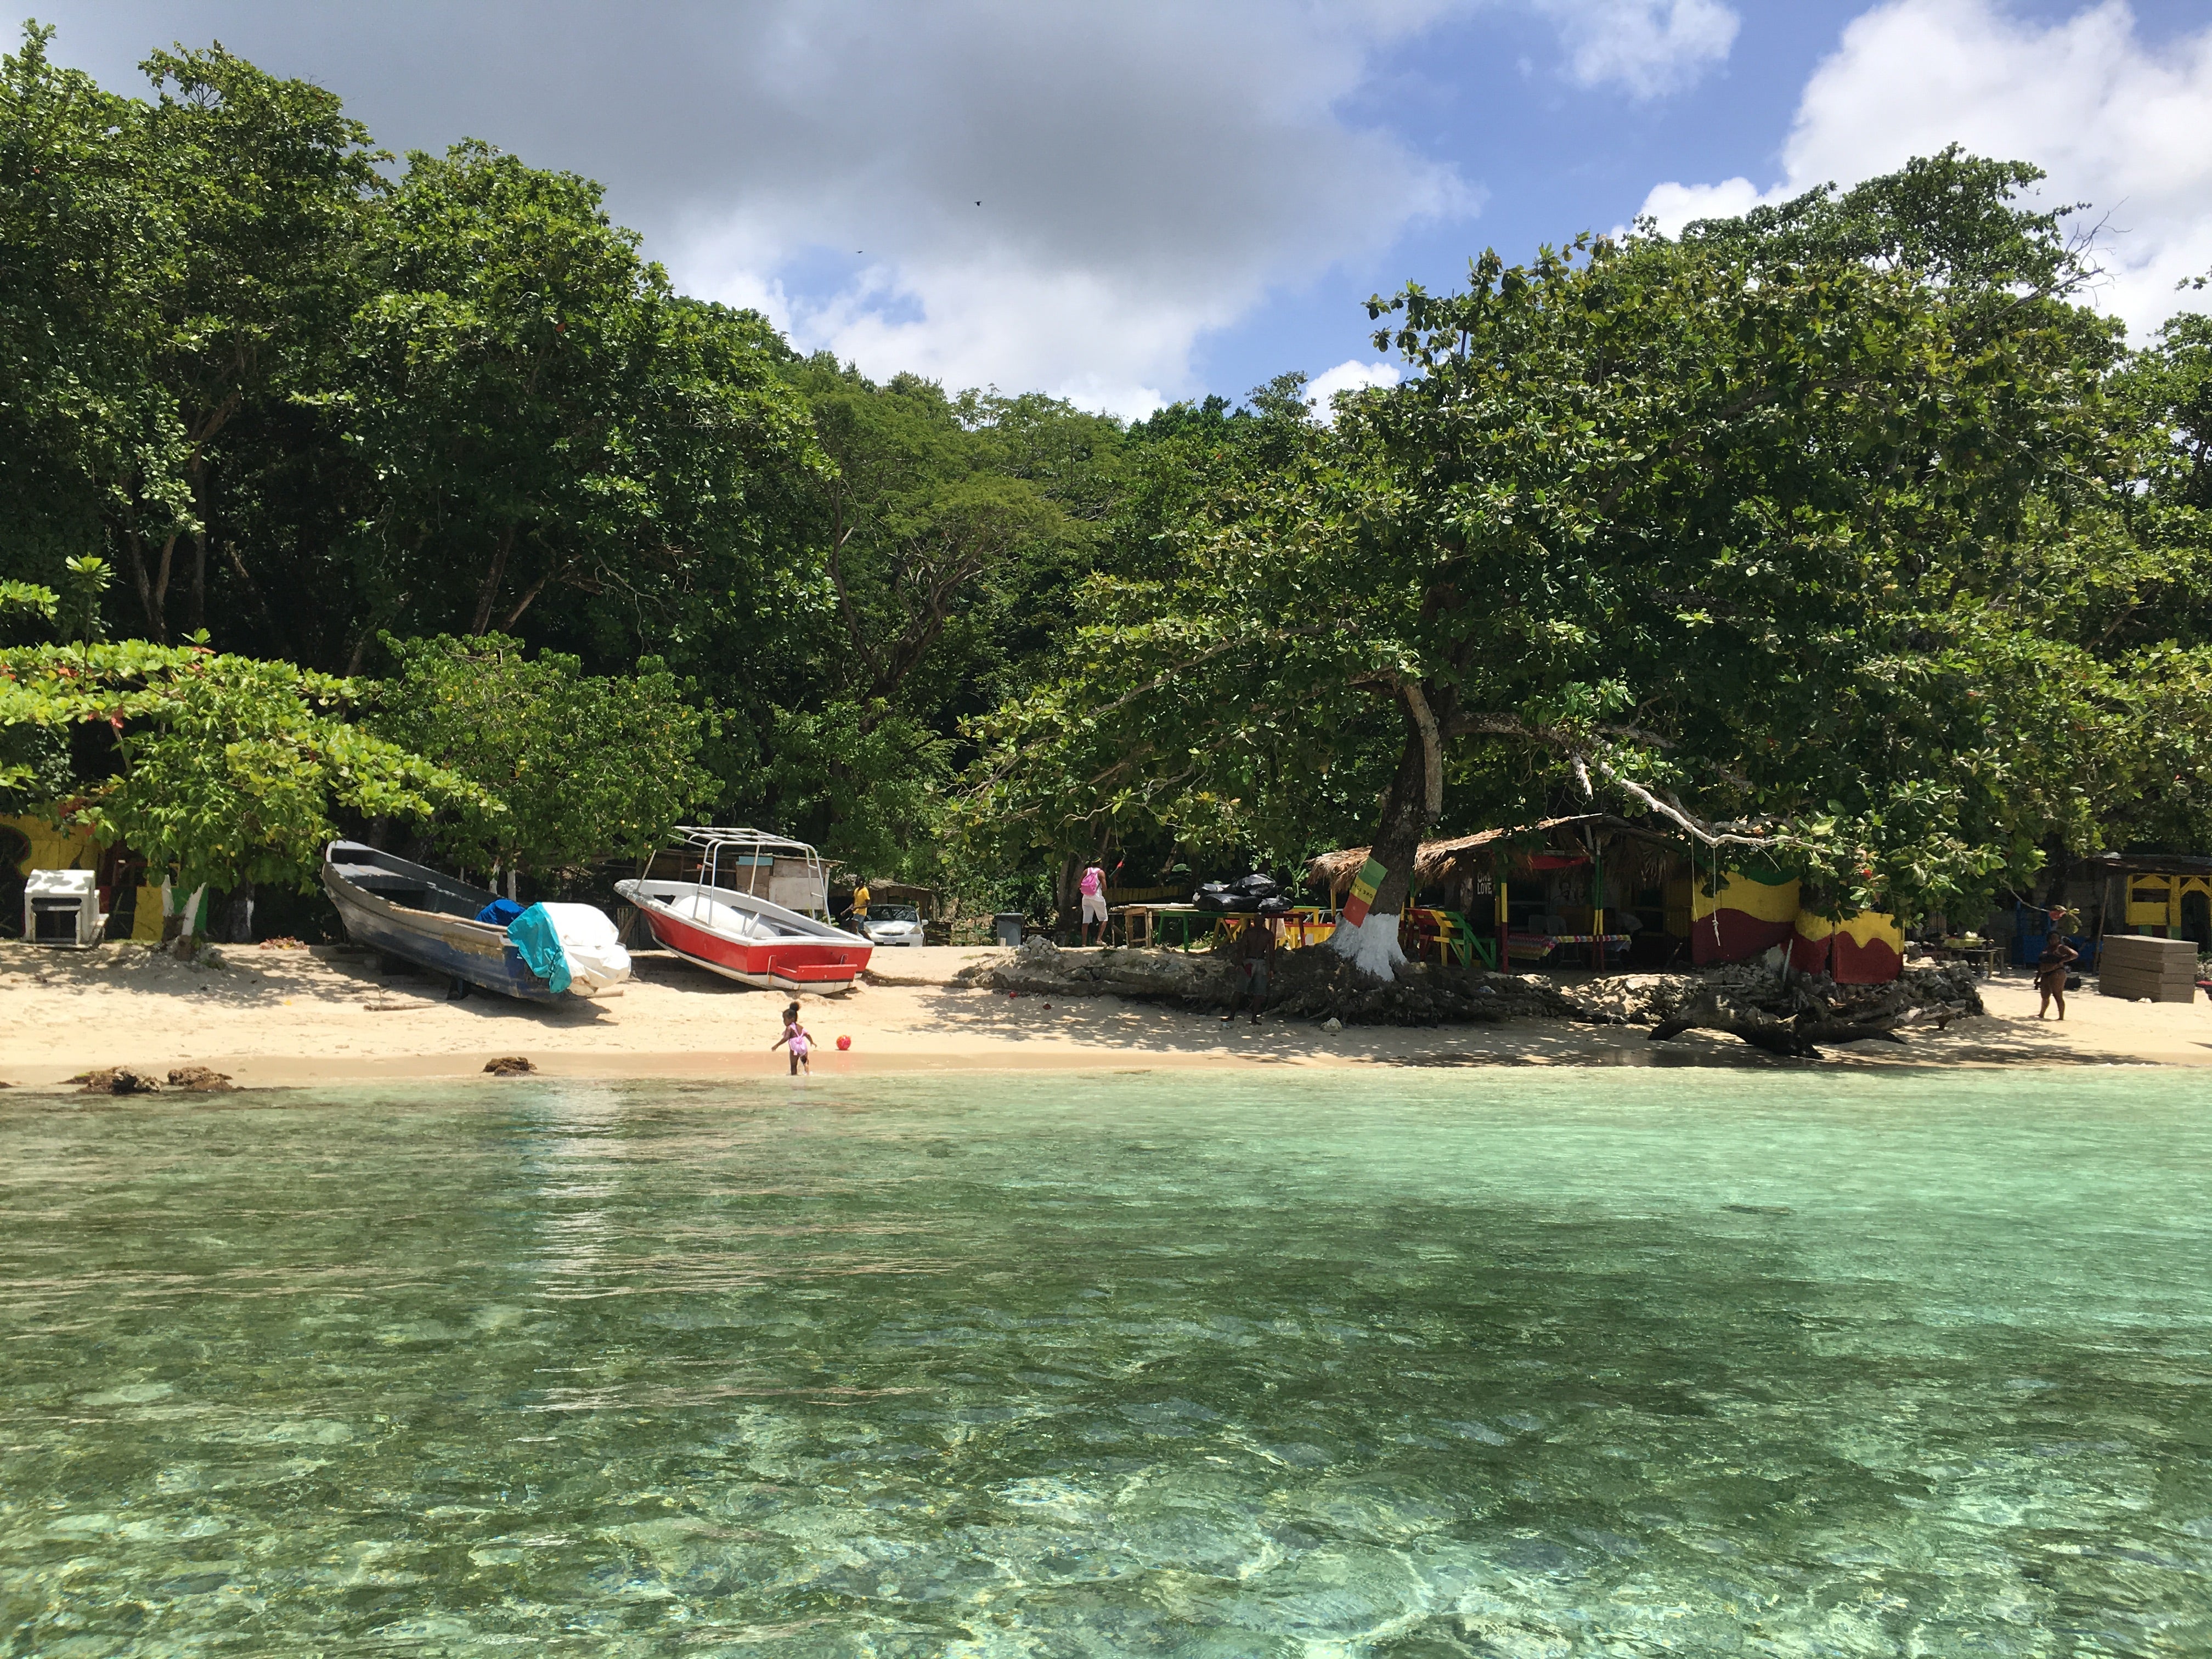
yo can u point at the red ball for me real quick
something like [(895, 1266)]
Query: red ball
[(844, 1042)]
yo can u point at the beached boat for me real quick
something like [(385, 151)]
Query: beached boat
[(415, 913), (719, 913)]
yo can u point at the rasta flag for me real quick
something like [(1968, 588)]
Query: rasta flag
[(1363, 891)]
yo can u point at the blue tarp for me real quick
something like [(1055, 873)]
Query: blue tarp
[(500, 912), (533, 934)]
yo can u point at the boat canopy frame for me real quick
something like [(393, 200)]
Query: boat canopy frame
[(711, 842)]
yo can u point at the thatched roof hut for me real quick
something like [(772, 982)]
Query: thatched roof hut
[(1632, 853)]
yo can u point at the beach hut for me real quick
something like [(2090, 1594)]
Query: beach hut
[(1593, 887), (2165, 895), (1576, 887)]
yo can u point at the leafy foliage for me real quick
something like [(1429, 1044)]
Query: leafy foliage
[(1841, 528), (1743, 519), (567, 767), (224, 769)]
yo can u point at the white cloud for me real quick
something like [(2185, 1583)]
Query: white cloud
[(1349, 376), (2115, 122), (1647, 46), (1676, 205), (1147, 172), (1141, 181)]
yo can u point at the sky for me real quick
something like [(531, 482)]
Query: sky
[(1131, 202)]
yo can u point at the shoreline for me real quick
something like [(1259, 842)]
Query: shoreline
[(323, 1015)]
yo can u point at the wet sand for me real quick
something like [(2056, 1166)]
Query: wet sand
[(326, 1015)]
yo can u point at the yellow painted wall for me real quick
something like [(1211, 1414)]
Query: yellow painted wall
[(1762, 901), (52, 848), (75, 849), (2156, 901)]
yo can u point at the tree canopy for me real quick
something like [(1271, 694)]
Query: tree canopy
[(1845, 533)]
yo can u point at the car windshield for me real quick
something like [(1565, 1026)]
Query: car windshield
[(893, 913)]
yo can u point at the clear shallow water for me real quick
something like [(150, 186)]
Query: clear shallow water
[(1484, 1363)]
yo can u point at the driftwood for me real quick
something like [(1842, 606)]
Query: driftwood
[(1812, 1014)]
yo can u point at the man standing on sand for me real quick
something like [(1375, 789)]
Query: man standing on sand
[(1254, 949), (1093, 886)]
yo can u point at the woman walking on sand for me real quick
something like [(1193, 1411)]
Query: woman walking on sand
[(2050, 971), (801, 1040)]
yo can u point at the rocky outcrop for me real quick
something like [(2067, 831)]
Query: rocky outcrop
[(1041, 967), (1309, 984), (1800, 1016), (1655, 998), (125, 1080)]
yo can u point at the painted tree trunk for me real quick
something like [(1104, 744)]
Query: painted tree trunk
[(187, 925), (1410, 807)]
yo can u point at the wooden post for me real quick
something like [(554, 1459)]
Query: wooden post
[(1597, 907)]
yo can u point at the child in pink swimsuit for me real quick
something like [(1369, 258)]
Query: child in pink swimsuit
[(797, 1036)]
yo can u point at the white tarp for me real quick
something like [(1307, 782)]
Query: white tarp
[(724, 919), (597, 960)]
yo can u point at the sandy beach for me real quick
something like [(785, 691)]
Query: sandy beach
[(276, 1017)]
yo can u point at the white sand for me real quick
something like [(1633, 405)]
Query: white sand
[(275, 1017)]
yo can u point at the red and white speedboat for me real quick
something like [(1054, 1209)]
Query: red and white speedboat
[(727, 917)]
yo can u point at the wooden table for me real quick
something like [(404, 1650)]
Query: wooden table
[(1982, 959), (1141, 923)]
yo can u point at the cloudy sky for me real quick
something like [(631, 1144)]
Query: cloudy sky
[(1127, 201)]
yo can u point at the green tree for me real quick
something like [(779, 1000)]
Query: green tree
[(261, 182), (1723, 519), (922, 570), (87, 432), (221, 769), (542, 416), (570, 768)]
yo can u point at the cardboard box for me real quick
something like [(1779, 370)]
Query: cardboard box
[(2139, 951)]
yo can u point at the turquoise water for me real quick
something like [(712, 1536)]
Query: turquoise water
[(1475, 1362)]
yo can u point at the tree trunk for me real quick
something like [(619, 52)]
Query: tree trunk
[(196, 602), (153, 592), (195, 608), (1410, 809), (1830, 1017), (186, 924), (238, 916), (488, 590)]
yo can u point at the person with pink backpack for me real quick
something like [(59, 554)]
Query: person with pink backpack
[(1093, 886)]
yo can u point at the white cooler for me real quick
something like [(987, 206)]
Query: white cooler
[(62, 907)]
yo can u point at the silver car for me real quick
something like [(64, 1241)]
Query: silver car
[(893, 924)]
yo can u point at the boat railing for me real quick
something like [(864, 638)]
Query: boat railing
[(746, 847)]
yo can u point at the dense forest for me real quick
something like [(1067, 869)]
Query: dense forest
[(336, 486)]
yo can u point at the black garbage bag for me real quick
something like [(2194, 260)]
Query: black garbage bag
[(1258, 885), (1277, 905)]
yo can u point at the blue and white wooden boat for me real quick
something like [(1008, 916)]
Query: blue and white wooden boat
[(414, 913)]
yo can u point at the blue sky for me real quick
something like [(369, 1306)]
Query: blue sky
[(1146, 200), (1491, 93)]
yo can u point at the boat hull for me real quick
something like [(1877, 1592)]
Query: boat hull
[(458, 947), (811, 957)]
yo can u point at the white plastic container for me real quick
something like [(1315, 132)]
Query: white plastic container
[(62, 907)]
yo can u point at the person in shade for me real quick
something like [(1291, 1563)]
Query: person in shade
[(1254, 949), (2051, 969), (1093, 886)]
